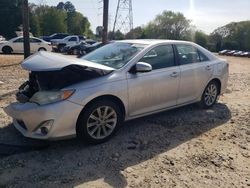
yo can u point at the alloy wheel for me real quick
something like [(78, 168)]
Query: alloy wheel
[(101, 122), (210, 94)]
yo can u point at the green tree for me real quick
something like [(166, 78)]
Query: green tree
[(117, 35), (51, 20), (136, 33), (78, 24), (235, 35), (169, 25), (201, 38), (10, 17)]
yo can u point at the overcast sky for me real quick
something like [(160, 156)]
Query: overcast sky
[(206, 15)]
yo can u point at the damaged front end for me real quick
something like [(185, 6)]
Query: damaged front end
[(55, 80), (53, 72), (49, 75)]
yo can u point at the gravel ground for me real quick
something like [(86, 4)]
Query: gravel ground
[(185, 147)]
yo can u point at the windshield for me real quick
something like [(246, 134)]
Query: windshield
[(114, 55)]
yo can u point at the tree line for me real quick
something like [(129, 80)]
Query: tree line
[(174, 26), (45, 20)]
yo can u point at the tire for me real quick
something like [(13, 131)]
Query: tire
[(60, 48), (42, 49), (7, 50), (92, 126), (210, 95), (75, 52)]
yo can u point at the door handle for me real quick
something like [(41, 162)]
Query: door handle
[(174, 74), (208, 67)]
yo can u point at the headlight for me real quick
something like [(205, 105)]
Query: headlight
[(47, 97)]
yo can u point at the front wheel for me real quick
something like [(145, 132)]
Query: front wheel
[(7, 50), (210, 95), (99, 121)]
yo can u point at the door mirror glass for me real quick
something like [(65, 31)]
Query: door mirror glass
[(143, 67)]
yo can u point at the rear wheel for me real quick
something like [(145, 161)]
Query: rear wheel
[(7, 50), (75, 52), (99, 121), (210, 95)]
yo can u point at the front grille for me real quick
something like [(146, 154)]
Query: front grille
[(21, 123)]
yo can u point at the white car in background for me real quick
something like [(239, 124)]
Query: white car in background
[(15, 45)]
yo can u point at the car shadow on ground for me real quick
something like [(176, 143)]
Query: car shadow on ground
[(72, 163)]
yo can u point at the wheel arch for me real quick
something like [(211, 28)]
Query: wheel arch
[(113, 98), (7, 46)]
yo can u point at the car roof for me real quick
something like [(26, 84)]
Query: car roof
[(22, 37), (154, 41)]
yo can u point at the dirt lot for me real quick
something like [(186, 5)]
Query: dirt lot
[(186, 147)]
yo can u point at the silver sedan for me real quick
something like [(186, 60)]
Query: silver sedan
[(90, 97)]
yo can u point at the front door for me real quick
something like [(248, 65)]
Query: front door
[(157, 89)]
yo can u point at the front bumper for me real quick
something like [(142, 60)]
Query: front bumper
[(28, 116)]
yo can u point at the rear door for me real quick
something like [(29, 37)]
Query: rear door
[(157, 89), (195, 71), (35, 44)]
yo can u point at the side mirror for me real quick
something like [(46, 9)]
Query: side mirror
[(143, 67)]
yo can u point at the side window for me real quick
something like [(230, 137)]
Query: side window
[(73, 39), (19, 40), (34, 40), (160, 57), (187, 54)]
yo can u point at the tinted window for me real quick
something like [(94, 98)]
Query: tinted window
[(35, 40), (81, 37), (160, 57), (73, 39)]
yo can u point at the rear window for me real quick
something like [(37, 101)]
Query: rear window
[(188, 54)]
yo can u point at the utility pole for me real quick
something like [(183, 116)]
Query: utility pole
[(105, 21), (26, 37)]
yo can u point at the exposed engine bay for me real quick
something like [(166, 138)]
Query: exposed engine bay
[(56, 80)]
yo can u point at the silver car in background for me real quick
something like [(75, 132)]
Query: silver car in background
[(92, 96)]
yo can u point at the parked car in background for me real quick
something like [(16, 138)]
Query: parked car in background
[(76, 49), (120, 81), (238, 54), (58, 44), (223, 52), (231, 52), (90, 41), (54, 36), (245, 54), (15, 45)]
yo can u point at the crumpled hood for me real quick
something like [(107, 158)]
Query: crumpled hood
[(48, 61)]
